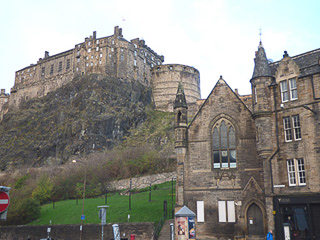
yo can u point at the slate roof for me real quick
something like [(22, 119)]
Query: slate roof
[(261, 67), (308, 63)]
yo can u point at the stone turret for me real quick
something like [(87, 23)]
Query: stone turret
[(181, 133), (261, 100)]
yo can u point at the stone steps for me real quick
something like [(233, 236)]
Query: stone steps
[(165, 231)]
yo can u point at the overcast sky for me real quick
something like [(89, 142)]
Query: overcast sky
[(216, 37)]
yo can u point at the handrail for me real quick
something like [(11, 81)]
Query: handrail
[(157, 229)]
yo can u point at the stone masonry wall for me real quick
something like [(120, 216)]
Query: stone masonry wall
[(142, 231), (165, 81), (141, 182)]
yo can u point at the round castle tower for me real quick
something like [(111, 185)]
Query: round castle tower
[(165, 81)]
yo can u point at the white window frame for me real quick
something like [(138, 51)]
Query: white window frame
[(296, 172), (296, 125), (293, 89), (287, 129), (284, 91), (89, 50), (226, 211), (292, 132), (289, 90)]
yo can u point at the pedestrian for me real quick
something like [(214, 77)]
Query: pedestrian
[(270, 235)]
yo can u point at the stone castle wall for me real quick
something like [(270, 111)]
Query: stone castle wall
[(165, 81)]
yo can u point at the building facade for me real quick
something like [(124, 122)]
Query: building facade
[(247, 169)]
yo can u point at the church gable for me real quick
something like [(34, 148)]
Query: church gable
[(222, 102)]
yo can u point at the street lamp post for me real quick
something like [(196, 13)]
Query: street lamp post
[(172, 209), (84, 193)]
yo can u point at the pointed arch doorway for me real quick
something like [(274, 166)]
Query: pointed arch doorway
[(255, 220)]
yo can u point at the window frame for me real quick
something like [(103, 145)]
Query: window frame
[(292, 128), (224, 149), (290, 91), (296, 172), (296, 126)]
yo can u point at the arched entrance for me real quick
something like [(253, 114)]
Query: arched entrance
[(255, 220)]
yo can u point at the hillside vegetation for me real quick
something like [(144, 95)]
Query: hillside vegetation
[(112, 129)]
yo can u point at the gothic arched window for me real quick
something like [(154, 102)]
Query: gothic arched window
[(224, 145)]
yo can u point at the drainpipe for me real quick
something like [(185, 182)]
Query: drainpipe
[(273, 85)]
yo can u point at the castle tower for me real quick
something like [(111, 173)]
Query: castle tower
[(165, 80), (181, 133), (262, 99)]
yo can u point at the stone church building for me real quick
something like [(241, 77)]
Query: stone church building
[(247, 168)]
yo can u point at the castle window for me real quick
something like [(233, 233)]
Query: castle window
[(51, 69), (68, 63), (43, 71), (112, 42), (226, 211), (112, 49), (97, 41), (87, 64), (78, 60), (135, 62), (89, 43), (121, 58), (288, 89), (91, 63), (97, 49), (255, 94), (135, 46), (77, 69), (296, 172), (100, 62), (295, 128), (89, 50), (87, 57), (60, 67), (91, 57), (101, 55), (135, 53), (144, 61), (29, 70), (224, 145)]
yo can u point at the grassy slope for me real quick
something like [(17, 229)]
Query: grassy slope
[(67, 212)]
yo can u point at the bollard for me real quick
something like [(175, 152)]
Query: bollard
[(132, 237)]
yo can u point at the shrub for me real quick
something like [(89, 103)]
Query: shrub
[(42, 193)]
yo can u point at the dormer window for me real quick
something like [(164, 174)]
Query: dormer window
[(289, 91)]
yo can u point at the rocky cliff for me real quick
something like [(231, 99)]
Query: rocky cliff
[(90, 113)]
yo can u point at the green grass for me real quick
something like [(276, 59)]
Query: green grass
[(68, 212)]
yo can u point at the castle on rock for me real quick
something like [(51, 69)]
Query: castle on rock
[(111, 56)]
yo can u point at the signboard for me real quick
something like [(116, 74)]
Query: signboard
[(182, 228), (192, 227), (83, 217), (4, 201)]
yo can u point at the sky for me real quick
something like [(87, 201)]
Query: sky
[(217, 37)]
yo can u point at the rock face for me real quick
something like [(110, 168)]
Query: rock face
[(88, 114)]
